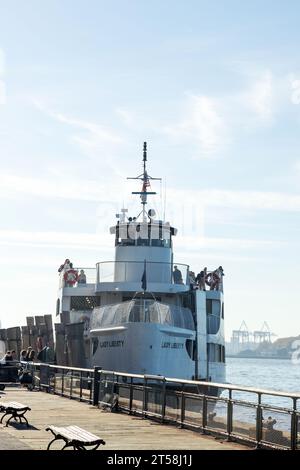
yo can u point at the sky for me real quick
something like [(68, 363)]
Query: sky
[(212, 86)]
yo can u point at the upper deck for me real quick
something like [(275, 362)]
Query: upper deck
[(127, 276), (134, 276)]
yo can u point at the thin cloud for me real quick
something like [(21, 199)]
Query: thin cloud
[(202, 124), (2, 82), (126, 116), (110, 194), (211, 123), (93, 139), (90, 190), (55, 239), (259, 98), (104, 240), (102, 132), (256, 200)]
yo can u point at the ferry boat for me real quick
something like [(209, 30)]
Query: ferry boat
[(142, 313)]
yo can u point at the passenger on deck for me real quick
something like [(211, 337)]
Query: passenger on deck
[(192, 280), (64, 267), (217, 279), (177, 276), (81, 277), (221, 274), (200, 279)]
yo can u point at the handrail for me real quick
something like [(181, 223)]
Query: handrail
[(142, 262), (208, 384), (219, 385), (200, 410)]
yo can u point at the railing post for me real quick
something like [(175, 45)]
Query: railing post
[(259, 418), (80, 386), (96, 385), (229, 414), (204, 413), (71, 384), (131, 395), (63, 382), (144, 398), (182, 411), (163, 405), (294, 425)]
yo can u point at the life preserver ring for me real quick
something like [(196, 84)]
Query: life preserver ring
[(212, 278), (71, 276)]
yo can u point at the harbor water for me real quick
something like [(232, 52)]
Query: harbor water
[(275, 374), (269, 374)]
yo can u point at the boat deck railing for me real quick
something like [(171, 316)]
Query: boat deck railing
[(258, 417), (132, 271), (90, 277)]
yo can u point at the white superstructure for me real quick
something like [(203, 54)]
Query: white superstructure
[(141, 314)]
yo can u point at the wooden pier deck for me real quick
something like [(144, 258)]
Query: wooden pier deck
[(119, 430)]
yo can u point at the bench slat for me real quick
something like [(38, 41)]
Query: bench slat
[(75, 434), (13, 405)]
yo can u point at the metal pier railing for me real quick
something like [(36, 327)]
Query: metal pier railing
[(244, 414)]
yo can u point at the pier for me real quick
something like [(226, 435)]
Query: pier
[(119, 430), (132, 411)]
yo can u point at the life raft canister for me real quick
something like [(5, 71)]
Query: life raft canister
[(71, 276)]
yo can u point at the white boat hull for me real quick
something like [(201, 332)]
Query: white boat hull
[(144, 348)]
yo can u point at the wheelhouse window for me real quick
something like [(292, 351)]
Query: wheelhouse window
[(139, 234)]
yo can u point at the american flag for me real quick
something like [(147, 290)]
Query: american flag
[(146, 184)]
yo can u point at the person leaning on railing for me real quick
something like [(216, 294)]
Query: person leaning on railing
[(200, 279), (82, 277), (192, 280), (177, 276)]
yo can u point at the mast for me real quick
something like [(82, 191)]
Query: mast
[(145, 178)]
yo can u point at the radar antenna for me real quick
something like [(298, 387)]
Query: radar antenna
[(145, 178)]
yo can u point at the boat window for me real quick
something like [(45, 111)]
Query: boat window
[(213, 324), (208, 306), (215, 352), (57, 306), (213, 307), (190, 345), (161, 242), (84, 302), (95, 344), (142, 242), (126, 242), (213, 316)]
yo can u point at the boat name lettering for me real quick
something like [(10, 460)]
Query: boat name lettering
[(112, 344), (172, 345)]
